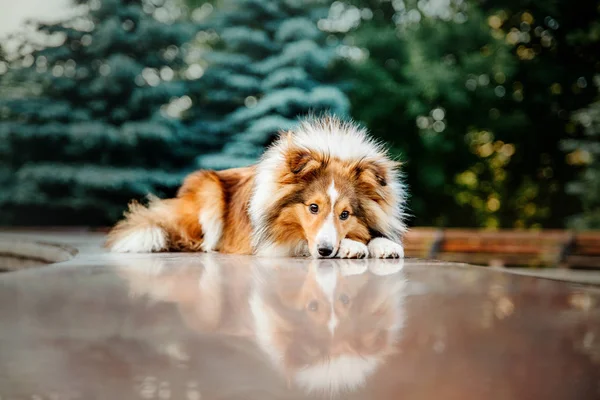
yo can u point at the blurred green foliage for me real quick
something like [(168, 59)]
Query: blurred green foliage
[(585, 151), (476, 99), (268, 63), (86, 133), (428, 89), (491, 105)]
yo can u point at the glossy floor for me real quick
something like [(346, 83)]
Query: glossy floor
[(210, 326)]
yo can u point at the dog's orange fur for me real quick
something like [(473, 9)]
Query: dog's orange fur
[(236, 186), (224, 194)]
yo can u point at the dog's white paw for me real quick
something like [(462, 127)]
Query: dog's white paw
[(352, 249), (385, 248)]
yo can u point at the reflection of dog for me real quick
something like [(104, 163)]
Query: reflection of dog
[(325, 189), (327, 325), (210, 295), (325, 329)]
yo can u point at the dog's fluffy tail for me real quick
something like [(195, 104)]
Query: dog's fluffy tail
[(142, 230), (193, 221)]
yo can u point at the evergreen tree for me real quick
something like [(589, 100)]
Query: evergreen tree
[(94, 136), (269, 64)]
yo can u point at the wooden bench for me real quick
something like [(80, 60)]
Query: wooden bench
[(584, 251), (422, 242), (551, 248)]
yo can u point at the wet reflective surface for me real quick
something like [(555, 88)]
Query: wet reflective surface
[(189, 326)]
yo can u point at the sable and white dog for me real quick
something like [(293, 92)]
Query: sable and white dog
[(325, 189)]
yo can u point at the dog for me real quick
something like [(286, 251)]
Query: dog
[(325, 189)]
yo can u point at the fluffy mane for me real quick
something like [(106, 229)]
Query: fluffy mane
[(332, 139)]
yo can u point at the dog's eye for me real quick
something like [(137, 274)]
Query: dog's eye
[(313, 306), (344, 215), (313, 208)]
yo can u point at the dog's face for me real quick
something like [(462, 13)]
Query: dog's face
[(329, 199), (329, 211)]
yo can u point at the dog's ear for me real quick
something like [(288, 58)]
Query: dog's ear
[(297, 160), (374, 172), (301, 162)]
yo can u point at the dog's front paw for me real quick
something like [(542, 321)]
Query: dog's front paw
[(385, 248), (352, 249)]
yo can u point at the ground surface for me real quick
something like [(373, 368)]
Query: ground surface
[(212, 326)]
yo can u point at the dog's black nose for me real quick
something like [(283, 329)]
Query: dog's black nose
[(325, 251)]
